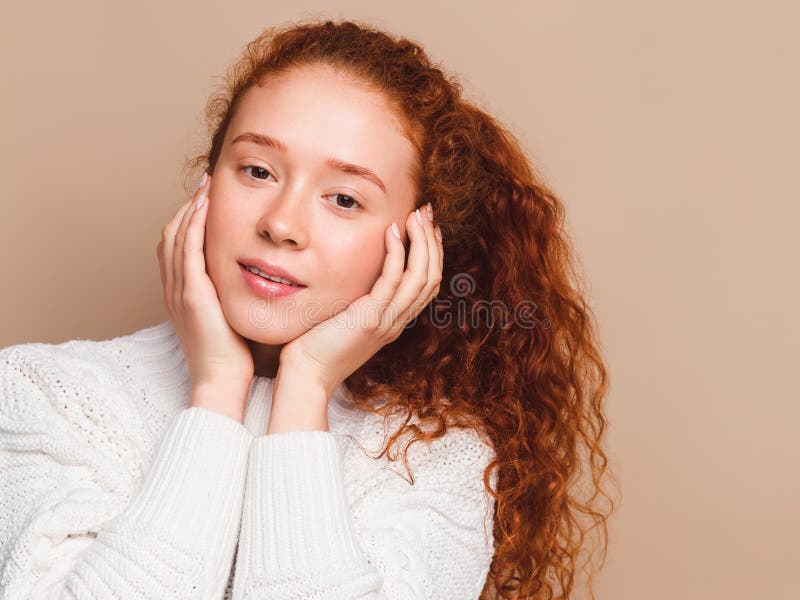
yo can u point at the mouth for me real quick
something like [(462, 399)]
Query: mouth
[(269, 272)]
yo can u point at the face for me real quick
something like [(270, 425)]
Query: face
[(284, 191)]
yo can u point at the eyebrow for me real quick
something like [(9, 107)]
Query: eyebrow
[(335, 163)]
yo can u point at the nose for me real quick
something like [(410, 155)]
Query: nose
[(284, 221)]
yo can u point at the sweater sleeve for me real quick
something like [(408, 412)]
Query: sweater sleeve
[(301, 539), (62, 533)]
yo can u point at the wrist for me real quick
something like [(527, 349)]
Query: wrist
[(225, 398), (298, 403), (299, 372)]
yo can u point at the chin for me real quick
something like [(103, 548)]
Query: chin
[(253, 323), (270, 335)]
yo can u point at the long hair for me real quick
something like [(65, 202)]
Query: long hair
[(515, 356)]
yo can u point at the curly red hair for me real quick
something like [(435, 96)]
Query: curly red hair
[(533, 382)]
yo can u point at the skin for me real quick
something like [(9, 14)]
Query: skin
[(331, 230)]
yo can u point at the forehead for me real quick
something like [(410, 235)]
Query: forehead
[(322, 110)]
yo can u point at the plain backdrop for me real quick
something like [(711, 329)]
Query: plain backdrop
[(669, 130)]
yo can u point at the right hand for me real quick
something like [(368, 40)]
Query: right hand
[(219, 360)]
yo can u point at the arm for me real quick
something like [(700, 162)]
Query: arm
[(301, 538), (69, 526)]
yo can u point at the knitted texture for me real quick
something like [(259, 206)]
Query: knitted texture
[(111, 486)]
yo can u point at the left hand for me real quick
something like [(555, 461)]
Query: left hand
[(333, 349)]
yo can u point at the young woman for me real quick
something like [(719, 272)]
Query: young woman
[(368, 270)]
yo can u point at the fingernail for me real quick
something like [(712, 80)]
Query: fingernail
[(203, 180), (395, 230), (419, 216), (200, 201), (430, 211), (438, 233)]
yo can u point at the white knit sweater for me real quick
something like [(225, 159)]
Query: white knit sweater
[(111, 487)]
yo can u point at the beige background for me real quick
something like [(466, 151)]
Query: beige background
[(669, 130)]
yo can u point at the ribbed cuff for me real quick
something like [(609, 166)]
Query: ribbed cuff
[(195, 487), (296, 514)]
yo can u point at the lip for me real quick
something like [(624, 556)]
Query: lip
[(265, 288), (270, 269)]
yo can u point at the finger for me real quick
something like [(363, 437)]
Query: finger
[(161, 270), (416, 273), (168, 249), (177, 256), (384, 288), (433, 275), (194, 262), (180, 238), (440, 242), (434, 261)]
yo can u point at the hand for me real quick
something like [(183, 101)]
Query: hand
[(335, 348), (219, 359)]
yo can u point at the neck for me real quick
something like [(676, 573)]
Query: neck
[(266, 358)]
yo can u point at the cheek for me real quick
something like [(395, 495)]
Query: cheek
[(211, 238), (220, 238), (222, 226), (353, 264)]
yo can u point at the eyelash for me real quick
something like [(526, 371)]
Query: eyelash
[(339, 208)]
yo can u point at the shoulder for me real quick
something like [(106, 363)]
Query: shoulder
[(460, 446), (86, 409), (452, 463), (106, 401), (34, 375)]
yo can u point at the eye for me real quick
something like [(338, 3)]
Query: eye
[(257, 170), (348, 200)]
